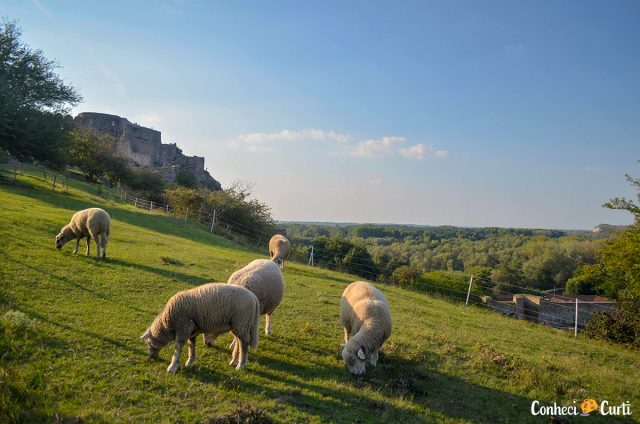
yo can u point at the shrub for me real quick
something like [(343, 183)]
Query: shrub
[(621, 326)]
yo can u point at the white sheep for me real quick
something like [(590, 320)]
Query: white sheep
[(264, 279), (279, 249), (213, 308), (90, 223), (366, 318)]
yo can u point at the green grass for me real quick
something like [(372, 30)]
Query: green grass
[(70, 352)]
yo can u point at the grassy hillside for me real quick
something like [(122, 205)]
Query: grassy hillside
[(70, 352)]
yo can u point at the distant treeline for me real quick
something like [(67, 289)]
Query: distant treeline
[(536, 258)]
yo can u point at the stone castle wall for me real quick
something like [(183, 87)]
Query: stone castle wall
[(143, 147)]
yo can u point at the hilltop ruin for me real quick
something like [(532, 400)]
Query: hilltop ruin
[(143, 147)]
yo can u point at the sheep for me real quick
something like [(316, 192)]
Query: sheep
[(366, 318), (212, 308), (279, 249), (264, 279), (90, 223)]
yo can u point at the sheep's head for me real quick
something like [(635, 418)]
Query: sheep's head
[(209, 339), (153, 347), (354, 356), (61, 240)]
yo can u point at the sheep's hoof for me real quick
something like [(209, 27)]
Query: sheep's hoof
[(240, 366), (233, 363), (172, 369), (189, 363)]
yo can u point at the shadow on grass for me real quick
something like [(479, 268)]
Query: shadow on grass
[(79, 286), (160, 223), (304, 273), (398, 390), (179, 276), (74, 329)]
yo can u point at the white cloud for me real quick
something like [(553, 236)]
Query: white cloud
[(288, 135), (413, 152), (385, 146)]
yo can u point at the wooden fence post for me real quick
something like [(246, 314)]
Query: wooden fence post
[(213, 220), (55, 177)]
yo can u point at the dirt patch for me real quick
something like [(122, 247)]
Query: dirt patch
[(243, 414)]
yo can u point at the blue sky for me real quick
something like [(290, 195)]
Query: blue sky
[(471, 113)]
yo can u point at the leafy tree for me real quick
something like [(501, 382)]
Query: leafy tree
[(186, 179), (33, 101), (96, 156), (405, 277)]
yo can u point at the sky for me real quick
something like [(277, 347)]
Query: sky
[(468, 113)]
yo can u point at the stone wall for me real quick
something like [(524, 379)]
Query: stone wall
[(143, 147), (539, 309)]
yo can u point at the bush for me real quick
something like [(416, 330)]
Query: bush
[(235, 211), (621, 326), (147, 184), (405, 277), (186, 179)]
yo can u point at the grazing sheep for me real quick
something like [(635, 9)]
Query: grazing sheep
[(213, 308), (366, 318), (279, 249), (90, 223), (264, 279)]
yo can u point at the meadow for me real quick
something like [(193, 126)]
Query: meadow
[(70, 326)]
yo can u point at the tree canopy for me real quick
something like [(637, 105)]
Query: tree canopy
[(33, 101)]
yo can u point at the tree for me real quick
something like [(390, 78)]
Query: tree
[(624, 204), (33, 101), (404, 276), (96, 156), (186, 179)]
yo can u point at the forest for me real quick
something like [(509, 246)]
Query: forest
[(509, 257)]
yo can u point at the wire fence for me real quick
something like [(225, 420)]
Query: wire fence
[(10, 170), (480, 291)]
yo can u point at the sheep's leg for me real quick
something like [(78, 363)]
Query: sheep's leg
[(232, 345), (77, 245), (243, 347), (192, 352), (104, 239), (267, 327), (374, 358), (175, 361), (182, 336), (88, 244), (346, 335), (235, 353), (97, 246), (282, 266)]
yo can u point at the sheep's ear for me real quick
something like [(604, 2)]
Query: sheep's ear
[(361, 354), (146, 334)]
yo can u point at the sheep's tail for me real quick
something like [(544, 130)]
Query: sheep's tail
[(255, 327), (108, 230)]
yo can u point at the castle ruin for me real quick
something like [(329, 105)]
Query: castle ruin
[(143, 147)]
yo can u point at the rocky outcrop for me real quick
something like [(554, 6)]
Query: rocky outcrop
[(143, 147), (606, 228)]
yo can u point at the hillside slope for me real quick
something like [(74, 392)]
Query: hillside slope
[(70, 352)]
